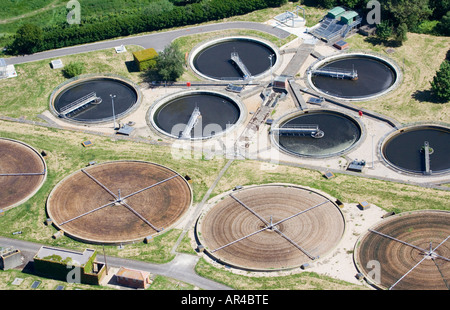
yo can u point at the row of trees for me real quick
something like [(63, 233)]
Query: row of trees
[(31, 38)]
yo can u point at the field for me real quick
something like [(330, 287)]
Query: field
[(48, 13)]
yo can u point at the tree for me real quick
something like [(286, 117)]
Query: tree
[(327, 4), (444, 25), (439, 7), (169, 64), (401, 33), (440, 85), (384, 30), (28, 39), (410, 12)]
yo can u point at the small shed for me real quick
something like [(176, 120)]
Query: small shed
[(6, 71), (125, 130), (10, 258), (341, 45), (3, 68), (363, 205), (356, 165), (280, 83), (336, 12), (349, 17), (57, 64), (133, 278)]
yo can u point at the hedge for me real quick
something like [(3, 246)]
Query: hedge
[(69, 35), (145, 59)]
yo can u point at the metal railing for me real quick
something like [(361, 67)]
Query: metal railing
[(79, 103), (238, 61)]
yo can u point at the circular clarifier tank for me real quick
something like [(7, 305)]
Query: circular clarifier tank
[(196, 114), (234, 58), (317, 133), (405, 149), (94, 99), (353, 76)]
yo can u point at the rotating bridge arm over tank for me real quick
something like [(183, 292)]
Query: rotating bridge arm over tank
[(238, 61), (337, 73), (186, 134), (300, 130), (80, 103)]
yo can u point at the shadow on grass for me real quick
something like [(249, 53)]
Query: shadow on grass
[(427, 96), (374, 40)]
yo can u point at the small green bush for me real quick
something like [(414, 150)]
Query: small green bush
[(73, 69)]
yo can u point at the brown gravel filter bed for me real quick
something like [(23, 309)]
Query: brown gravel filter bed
[(271, 227), (408, 251), (119, 202), (22, 172)]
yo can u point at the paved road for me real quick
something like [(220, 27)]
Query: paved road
[(181, 268), (156, 40)]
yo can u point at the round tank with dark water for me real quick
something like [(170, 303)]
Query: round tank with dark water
[(405, 149), (375, 76), (214, 59), (339, 133), (89, 99), (196, 114)]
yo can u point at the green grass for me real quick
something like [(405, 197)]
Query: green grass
[(15, 8), (390, 196), (66, 155), (299, 281), (28, 94)]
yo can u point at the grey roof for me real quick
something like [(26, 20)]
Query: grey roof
[(78, 257)]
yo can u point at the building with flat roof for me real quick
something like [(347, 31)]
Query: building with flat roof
[(10, 258), (60, 264)]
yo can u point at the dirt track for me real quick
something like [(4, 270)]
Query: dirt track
[(161, 205), (316, 231), (18, 158)]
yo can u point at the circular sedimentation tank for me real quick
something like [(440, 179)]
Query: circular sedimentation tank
[(337, 133), (196, 114), (404, 149), (213, 60), (94, 99), (353, 76)]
